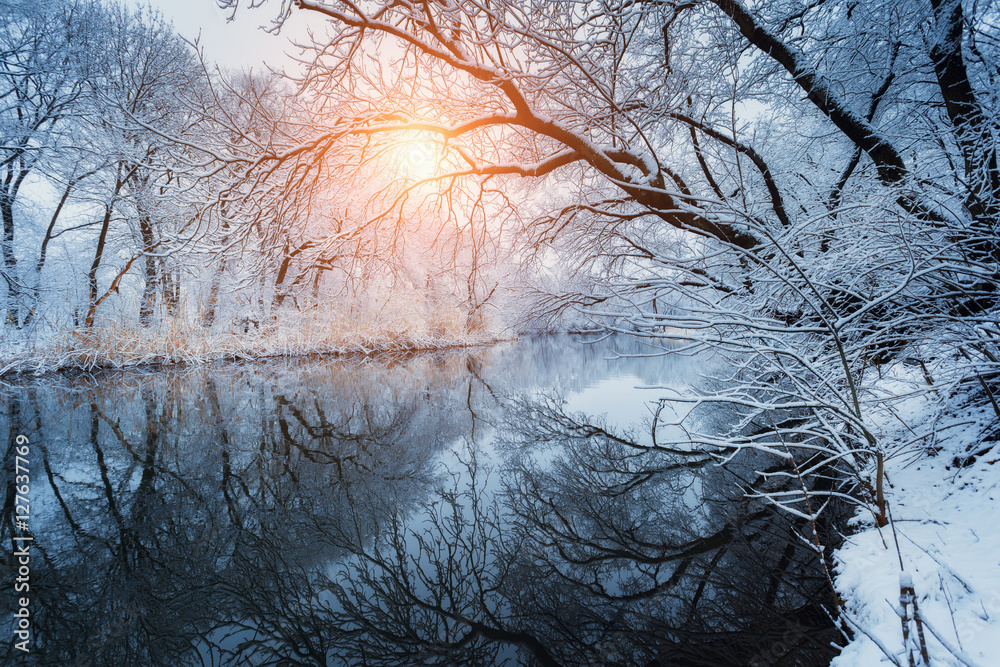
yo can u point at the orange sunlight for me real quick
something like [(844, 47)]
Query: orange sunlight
[(418, 158)]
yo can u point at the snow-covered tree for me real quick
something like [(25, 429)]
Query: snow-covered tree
[(145, 79), (46, 58), (809, 189)]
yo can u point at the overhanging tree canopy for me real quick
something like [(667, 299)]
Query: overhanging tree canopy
[(656, 99)]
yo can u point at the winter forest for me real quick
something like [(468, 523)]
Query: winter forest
[(483, 332)]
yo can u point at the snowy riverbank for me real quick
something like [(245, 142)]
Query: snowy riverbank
[(944, 499), (180, 343)]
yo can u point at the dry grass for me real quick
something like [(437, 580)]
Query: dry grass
[(184, 341)]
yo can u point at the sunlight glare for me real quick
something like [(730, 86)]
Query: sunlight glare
[(419, 159)]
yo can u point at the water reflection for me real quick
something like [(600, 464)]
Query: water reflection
[(461, 508)]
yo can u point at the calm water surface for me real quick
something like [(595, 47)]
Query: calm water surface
[(506, 505)]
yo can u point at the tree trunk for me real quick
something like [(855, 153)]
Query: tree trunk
[(281, 292), (171, 291), (43, 253), (208, 318), (149, 268), (971, 128), (124, 175), (96, 264), (11, 186), (889, 163)]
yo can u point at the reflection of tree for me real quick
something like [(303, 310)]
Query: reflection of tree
[(293, 517), (594, 553), (637, 552), (190, 507)]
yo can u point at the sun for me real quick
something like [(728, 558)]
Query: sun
[(419, 159)]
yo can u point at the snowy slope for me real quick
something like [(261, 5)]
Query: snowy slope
[(945, 534)]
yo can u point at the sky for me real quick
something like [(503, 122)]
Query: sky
[(230, 44)]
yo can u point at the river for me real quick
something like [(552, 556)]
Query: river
[(498, 505)]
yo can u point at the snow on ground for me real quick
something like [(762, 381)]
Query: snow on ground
[(947, 527)]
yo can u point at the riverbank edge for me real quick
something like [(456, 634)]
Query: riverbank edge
[(83, 353)]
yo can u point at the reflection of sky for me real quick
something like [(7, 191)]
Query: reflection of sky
[(626, 405), (619, 401), (597, 379), (592, 379)]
